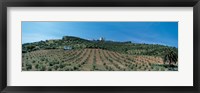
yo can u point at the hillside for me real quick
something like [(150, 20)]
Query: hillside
[(79, 43), (77, 54)]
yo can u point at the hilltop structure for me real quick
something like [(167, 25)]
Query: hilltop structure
[(101, 39)]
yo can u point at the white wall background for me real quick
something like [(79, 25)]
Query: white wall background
[(182, 77)]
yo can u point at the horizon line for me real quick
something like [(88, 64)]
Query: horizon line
[(105, 40)]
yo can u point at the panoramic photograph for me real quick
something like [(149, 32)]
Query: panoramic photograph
[(99, 46)]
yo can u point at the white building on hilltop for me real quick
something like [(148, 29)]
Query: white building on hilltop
[(101, 39)]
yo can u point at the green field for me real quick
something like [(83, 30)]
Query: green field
[(97, 55)]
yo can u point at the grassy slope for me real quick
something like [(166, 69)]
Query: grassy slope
[(79, 43)]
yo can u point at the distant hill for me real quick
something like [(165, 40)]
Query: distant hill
[(79, 43)]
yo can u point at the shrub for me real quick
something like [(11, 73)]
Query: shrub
[(42, 59), (66, 69), (42, 67), (49, 69), (56, 67), (132, 67), (33, 61), (28, 66), (94, 66), (157, 69), (162, 69), (36, 66), (61, 65), (75, 68)]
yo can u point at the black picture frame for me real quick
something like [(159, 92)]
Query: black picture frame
[(98, 3)]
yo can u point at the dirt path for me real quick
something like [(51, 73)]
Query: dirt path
[(84, 59), (117, 62), (109, 61), (99, 62), (89, 63)]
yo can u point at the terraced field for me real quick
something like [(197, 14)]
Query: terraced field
[(88, 60)]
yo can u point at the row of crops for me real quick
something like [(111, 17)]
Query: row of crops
[(88, 60)]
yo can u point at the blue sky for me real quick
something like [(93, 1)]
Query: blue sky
[(164, 33)]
